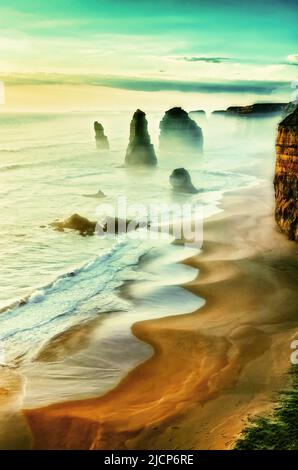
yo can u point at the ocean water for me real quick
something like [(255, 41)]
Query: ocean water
[(48, 164)]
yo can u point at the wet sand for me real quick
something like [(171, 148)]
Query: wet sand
[(211, 369), (14, 431)]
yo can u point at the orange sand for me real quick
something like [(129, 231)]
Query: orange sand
[(212, 368)]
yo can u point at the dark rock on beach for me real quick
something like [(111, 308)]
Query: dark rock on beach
[(100, 137), (140, 151), (180, 133), (181, 181), (286, 176)]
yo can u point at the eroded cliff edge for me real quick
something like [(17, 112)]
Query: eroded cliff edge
[(286, 173)]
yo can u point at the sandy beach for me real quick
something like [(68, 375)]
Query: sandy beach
[(211, 369), (148, 244)]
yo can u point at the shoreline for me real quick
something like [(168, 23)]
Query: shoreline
[(200, 399)]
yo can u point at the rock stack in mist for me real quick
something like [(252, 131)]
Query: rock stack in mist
[(181, 181), (286, 176), (100, 137), (179, 133), (140, 151)]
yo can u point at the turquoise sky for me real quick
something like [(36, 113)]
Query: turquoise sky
[(151, 42)]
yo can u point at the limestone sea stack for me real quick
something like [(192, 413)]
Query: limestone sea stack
[(286, 175), (100, 137), (140, 151), (181, 181), (179, 133)]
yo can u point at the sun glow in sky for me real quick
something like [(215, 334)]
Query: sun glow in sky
[(146, 49)]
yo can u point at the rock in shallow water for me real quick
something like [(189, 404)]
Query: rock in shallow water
[(181, 181), (140, 151), (112, 225), (100, 138), (286, 176), (76, 222), (179, 133)]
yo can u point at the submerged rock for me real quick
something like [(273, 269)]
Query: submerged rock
[(97, 195), (179, 133), (181, 181), (286, 176), (100, 137), (140, 151)]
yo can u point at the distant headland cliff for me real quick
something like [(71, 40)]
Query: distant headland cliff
[(254, 110)]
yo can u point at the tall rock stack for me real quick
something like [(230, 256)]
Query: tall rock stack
[(179, 133), (140, 151), (286, 176), (100, 137)]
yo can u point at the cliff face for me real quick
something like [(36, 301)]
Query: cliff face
[(140, 151), (100, 138), (286, 176), (289, 108), (179, 133)]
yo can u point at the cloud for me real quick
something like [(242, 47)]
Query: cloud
[(148, 84), (212, 60), (293, 59)]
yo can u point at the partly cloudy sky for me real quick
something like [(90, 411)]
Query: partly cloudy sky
[(198, 46)]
